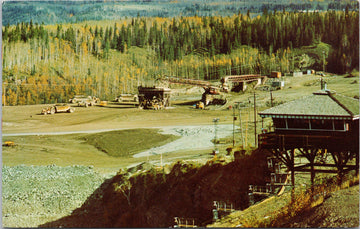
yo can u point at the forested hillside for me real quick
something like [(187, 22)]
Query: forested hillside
[(51, 63), (54, 12)]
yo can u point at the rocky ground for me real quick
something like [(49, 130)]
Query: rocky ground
[(341, 209)]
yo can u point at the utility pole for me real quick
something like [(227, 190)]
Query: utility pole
[(255, 119), (215, 120), (241, 130), (161, 161), (324, 62), (234, 118), (247, 123)]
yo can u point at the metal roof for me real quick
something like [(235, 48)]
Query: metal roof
[(321, 104)]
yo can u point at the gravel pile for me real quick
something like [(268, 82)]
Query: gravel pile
[(40, 192), (192, 138)]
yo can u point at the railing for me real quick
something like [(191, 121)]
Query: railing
[(184, 222), (261, 189), (288, 141), (224, 206)]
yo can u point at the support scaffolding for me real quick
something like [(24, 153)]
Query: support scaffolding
[(313, 148)]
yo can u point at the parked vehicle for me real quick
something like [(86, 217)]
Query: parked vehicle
[(85, 101), (124, 98), (57, 109)]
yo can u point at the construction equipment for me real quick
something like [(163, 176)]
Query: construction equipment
[(123, 98), (154, 97), (275, 74), (57, 109), (211, 96), (200, 105), (8, 143), (238, 83), (85, 101), (103, 103)]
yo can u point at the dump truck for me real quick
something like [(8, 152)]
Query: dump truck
[(59, 108), (85, 101)]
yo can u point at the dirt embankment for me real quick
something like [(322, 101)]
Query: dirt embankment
[(340, 209), (155, 197)]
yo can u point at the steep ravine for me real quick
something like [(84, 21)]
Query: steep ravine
[(157, 196)]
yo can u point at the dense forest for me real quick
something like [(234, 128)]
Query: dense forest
[(51, 63), (55, 12)]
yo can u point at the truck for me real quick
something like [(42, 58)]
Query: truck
[(127, 98), (59, 108), (85, 101)]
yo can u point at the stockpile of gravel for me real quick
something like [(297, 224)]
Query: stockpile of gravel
[(32, 195), (191, 138)]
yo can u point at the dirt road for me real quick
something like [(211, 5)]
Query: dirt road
[(27, 119), (54, 139)]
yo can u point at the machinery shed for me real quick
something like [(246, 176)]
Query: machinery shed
[(154, 97)]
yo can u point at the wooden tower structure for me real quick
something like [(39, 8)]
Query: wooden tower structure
[(323, 123)]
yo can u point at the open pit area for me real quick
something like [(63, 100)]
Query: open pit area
[(70, 164)]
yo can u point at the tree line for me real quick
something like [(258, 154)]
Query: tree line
[(53, 12), (64, 60), (175, 38)]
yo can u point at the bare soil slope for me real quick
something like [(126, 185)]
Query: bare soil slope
[(155, 198)]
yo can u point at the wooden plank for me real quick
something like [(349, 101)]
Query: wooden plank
[(324, 165), (262, 193), (281, 184), (316, 170)]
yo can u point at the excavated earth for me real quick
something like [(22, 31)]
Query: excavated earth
[(158, 195)]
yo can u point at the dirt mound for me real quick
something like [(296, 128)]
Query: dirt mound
[(153, 198)]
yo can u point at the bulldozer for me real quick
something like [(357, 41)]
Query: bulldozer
[(59, 108)]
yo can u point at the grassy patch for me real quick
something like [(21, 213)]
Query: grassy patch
[(128, 142)]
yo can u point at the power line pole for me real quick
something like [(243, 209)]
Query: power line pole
[(255, 118), (234, 118), (215, 121), (241, 129), (324, 62)]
